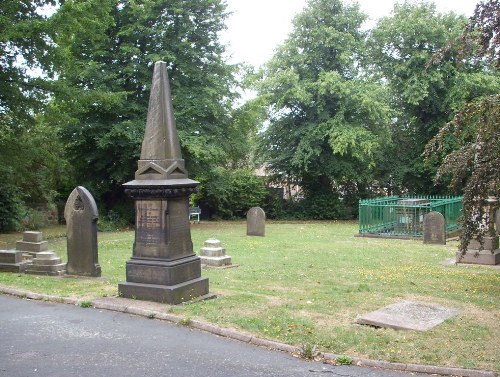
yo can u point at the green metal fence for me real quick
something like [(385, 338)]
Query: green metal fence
[(403, 216)]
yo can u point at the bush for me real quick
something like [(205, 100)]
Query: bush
[(11, 209), (229, 194)]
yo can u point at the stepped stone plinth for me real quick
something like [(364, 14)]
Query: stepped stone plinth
[(32, 243), (46, 263), (11, 261), (213, 254)]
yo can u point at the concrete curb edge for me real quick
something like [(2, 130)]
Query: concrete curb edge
[(236, 335)]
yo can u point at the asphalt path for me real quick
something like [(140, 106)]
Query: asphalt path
[(39, 338)]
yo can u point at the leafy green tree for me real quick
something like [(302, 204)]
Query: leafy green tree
[(327, 119), (470, 142), (106, 50), (424, 96), (31, 161)]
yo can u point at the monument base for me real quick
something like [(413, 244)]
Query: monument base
[(173, 294), (486, 257)]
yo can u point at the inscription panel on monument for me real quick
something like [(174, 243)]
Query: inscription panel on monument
[(149, 221)]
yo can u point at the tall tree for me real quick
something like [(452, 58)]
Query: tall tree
[(470, 143), (106, 52), (424, 96), (327, 120)]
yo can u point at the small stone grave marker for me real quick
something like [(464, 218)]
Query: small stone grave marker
[(213, 254), (408, 315), (46, 263), (32, 243), (256, 222), (81, 231), (434, 228)]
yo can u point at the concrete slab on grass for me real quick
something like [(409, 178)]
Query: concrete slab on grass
[(408, 315)]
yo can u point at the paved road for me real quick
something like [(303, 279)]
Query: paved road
[(47, 339)]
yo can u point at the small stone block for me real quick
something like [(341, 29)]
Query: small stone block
[(408, 315), (46, 262), (11, 256), (32, 247), (52, 270), (12, 267), (46, 255), (212, 243), (31, 236), (216, 261), (484, 257), (212, 251)]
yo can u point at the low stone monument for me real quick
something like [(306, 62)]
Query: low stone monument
[(408, 315), (81, 232), (11, 261), (489, 252), (163, 267), (256, 222), (32, 244), (434, 228), (213, 254), (46, 263)]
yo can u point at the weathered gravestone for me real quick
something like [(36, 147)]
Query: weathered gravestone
[(213, 254), (163, 267), (81, 231), (256, 222), (434, 228)]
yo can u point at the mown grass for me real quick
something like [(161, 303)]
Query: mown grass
[(305, 283)]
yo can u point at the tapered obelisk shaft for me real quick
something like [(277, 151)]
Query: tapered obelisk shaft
[(160, 138)]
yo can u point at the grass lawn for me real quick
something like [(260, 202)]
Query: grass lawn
[(305, 284)]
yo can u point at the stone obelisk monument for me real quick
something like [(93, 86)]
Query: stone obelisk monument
[(163, 267)]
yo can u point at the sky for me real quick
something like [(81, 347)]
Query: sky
[(257, 27)]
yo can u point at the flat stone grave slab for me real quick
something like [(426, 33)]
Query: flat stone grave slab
[(408, 315)]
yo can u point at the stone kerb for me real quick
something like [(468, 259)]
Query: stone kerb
[(434, 228), (81, 217), (256, 222)]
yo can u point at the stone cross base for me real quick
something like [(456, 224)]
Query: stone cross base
[(11, 261), (212, 254), (32, 243), (46, 263)]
